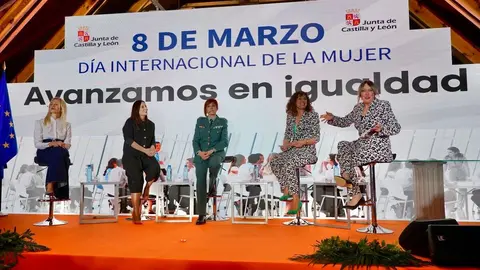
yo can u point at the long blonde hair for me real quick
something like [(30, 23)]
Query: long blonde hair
[(369, 83), (63, 111)]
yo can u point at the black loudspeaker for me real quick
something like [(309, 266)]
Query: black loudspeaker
[(452, 245), (415, 237)]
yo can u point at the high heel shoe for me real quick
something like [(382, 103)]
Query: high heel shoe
[(342, 182), (353, 207), (50, 196), (287, 197), (294, 212)]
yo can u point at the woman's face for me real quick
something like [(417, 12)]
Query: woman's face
[(211, 109), (301, 102), (367, 95), (55, 107), (143, 110)]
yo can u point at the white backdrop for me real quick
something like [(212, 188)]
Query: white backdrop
[(412, 67)]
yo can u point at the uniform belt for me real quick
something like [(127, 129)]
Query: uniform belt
[(52, 140)]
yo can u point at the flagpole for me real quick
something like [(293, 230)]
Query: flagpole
[(2, 176)]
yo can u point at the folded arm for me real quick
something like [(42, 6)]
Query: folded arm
[(152, 141), (223, 143), (68, 136), (196, 138), (314, 130), (390, 125), (288, 135), (128, 133), (38, 136)]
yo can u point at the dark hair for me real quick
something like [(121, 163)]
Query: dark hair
[(333, 157), (292, 103), (239, 159), (454, 149), (135, 115), (253, 158), (208, 102), (111, 164)]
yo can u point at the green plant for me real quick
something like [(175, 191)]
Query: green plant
[(351, 255), (13, 244)]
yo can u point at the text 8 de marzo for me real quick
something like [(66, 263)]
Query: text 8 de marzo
[(228, 37)]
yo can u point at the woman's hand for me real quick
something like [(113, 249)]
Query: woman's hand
[(298, 144), (149, 151), (285, 146), (55, 144), (327, 116), (377, 128), (204, 155)]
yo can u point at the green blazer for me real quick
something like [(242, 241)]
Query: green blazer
[(210, 136)]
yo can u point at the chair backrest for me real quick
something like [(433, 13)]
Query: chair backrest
[(230, 159)]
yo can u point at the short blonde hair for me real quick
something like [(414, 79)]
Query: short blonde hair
[(371, 85), (63, 111)]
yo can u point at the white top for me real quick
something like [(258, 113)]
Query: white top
[(54, 130), (117, 174)]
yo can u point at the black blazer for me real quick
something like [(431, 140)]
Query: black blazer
[(142, 133)]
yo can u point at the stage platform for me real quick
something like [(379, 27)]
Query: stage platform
[(174, 246)]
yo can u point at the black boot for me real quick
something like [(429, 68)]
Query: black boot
[(201, 220)]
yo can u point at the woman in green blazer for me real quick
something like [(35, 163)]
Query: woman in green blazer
[(209, 143)]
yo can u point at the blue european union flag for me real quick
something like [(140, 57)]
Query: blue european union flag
[(8, 139)]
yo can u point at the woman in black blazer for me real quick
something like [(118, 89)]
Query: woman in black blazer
[(139, 156)]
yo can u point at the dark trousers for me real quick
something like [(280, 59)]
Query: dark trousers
[(211, 165), (135, 166), (58, 161)]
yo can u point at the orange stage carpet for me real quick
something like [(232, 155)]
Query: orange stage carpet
[(216, 245)]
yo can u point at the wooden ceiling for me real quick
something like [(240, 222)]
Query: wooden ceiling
[(29, 25)]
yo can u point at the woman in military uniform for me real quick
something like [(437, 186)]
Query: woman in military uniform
[(209, 143)]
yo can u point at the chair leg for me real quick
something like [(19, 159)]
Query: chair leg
[(214, 216), (51, 220), (298, 221), (373, 228)]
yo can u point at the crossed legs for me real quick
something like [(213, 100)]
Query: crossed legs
[(348, 178), (134, 168)]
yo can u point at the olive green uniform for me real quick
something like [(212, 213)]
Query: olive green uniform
[(210, 134)]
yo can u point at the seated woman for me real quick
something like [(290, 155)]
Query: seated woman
[(52, 137), (209, 143), (375, 122), (139, 156), (302, 132), (114, 172)]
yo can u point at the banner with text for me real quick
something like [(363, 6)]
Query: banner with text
[(251, 67)]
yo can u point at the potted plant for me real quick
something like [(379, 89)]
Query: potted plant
[(351, 255), (13, 244)]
